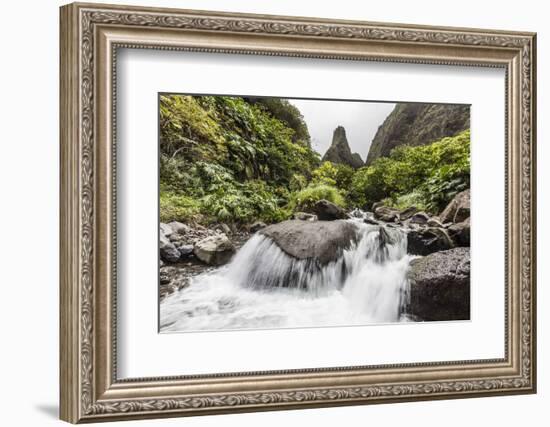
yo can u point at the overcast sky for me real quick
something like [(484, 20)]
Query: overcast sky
[(360, 119)]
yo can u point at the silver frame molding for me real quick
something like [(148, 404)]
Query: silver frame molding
[(90, 37)]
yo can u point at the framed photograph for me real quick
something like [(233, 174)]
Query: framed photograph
[(266, 212)]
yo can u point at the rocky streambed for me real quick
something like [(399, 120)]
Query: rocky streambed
[(329, 246)]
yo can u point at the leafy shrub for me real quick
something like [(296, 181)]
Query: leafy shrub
[(287, 113), (306, 198), (334, 174), (232, 202), (251, 140), (174, 207), (416, 199), (297, 182), (436, 172)]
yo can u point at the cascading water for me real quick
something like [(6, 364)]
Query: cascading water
[(263, 287)]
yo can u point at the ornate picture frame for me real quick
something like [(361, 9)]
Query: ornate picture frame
[(90, 37)]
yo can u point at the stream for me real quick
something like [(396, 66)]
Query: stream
[(263, 287)]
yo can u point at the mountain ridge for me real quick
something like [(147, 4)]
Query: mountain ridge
[(417, 124)]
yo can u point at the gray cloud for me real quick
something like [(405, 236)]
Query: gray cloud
[(360, 119)]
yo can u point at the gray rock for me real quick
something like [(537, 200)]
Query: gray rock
[(376, 205), (168, 252), (460, 233), (424, 241), (420, 218), (178, 227), (434, 222), (257, 226), (304, 216), (386, 214), (407, 213), (214, 250), (328, 211), (165, 229), (440, 286), (185, 250), (458, 209), (356, 213), (323, 241), (176, 239)]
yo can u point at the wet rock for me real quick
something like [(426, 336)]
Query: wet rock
[(214, 250), (257, 226), (376, 205), (322, 241), (434, 222), (185, 250), (420, 218), (166, 274), (424, 241), (328, 211), (168, 252), (386, 214), (407, 213), (460, 233), (458, 209), (356, 213), (370, 220), (440, 286), (304, 216)]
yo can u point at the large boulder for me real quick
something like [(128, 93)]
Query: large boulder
[(387, 214), (168, 252), (214, 250), (322, 241), (424, 241), (458, 209), (328, 211), (460, 233), (440, 286)]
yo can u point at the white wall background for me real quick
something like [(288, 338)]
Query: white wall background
[(29, 170)]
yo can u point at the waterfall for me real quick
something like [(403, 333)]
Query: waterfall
[(263, 287)]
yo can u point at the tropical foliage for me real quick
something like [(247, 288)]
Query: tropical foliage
[(225, 158), (428, 176), (235, 159)]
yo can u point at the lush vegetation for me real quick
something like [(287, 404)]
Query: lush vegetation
[(427, 177), (232, 159)]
